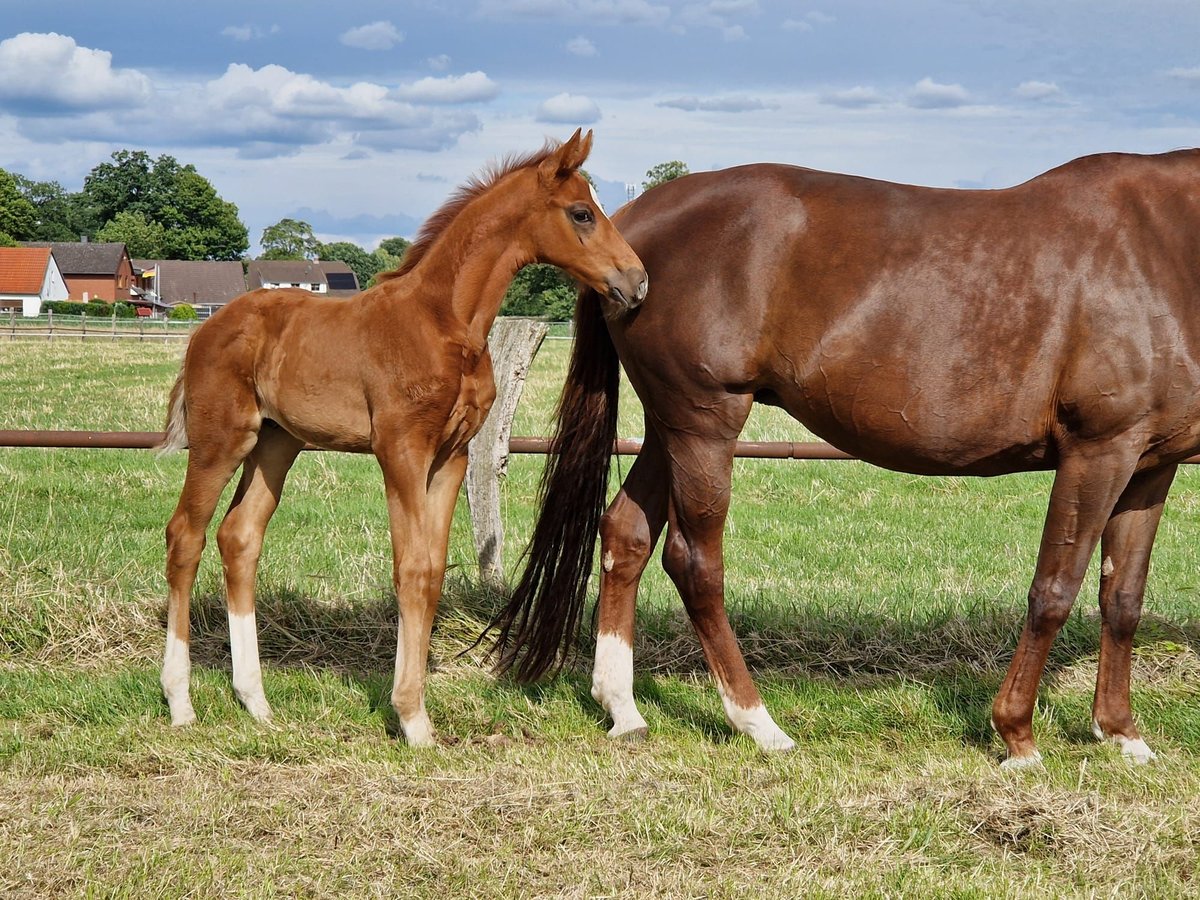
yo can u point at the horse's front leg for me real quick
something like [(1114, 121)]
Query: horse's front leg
[(628, 532), (420, 526)]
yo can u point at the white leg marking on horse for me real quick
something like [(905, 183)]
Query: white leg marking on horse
[(1135, 750), (176, 671), (418, 731), (1107, 567), (247, 673), (612, 686), (756, 722), (1017, 763)]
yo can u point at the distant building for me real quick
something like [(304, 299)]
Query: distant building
[(205, 284), (93, 271), (328, 278), (29, 276)]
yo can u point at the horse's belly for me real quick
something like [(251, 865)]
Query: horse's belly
[(916, 431)]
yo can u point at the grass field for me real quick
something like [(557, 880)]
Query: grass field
[(878, 610)]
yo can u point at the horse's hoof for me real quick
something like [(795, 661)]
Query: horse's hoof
[(1136, 752), (632, 736), (1020, 763)]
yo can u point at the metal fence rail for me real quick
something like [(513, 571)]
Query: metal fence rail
[(144, 440)]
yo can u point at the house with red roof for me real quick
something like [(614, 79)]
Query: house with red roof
[(29, 276), (93, 270)]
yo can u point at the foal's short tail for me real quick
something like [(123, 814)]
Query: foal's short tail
[(176, 437), (537, 628)]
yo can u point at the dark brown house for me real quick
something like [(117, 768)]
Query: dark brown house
[(201, 283), (92, 271)]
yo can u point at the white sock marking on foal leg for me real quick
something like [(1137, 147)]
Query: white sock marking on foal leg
[(176, 671), (612, 686), (247, 672), (756, 722), (1135, 750)]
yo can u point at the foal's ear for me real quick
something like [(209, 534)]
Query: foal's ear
[(567, 158)]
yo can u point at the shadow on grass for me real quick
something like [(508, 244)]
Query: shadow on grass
[(958, 656)]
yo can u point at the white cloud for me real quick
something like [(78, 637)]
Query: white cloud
[(797, 25), (1185, 73), (469, 88), (857, 97), (248, 32), (1038, 90), (439, 63), (50, 73), (569, 109), (380, 35), (581, 46), (929, 94), (717, 104), (603, 12)]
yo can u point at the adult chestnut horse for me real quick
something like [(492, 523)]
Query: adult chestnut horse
[(401, 371), (1052, 325)]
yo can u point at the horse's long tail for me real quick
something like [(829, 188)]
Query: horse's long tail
[(176, 430), (537, 629)]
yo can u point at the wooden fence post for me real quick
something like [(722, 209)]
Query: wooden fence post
[(513, 344)]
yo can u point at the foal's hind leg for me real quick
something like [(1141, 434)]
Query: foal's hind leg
[(1081, 501), (701, 469), (240, 539), (628, 532), (208, 471), (1125, 548)]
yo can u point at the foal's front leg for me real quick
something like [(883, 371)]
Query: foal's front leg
[(420, 523)]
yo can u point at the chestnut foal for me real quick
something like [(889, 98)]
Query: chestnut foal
[(401, 371)]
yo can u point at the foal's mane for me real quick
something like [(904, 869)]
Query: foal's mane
[(475, 187)]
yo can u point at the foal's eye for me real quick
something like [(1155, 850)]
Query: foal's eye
[(582, 216)]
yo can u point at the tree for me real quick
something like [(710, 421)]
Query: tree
[(289, 239), (60, 215), (364, 264), (197, 223), (143, 239), (664, 172), (540, 290), (123, 185), (18, 218), (395, 246)]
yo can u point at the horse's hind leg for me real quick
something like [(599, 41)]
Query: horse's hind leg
[(701, 469), (1125, 549), (207, 474), (1086, 489), (628, 532), (240, 539)]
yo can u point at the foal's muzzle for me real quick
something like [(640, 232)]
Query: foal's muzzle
[(626, 291)]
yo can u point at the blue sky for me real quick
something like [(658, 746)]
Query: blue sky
[(362, 117)]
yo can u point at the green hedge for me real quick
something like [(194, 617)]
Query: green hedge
[(94, 308), (182, 311)]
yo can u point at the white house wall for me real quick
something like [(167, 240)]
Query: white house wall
[(54, 287)]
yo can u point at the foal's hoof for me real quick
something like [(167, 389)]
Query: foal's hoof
[(1137, 752), (183, 720), (1020, 763), (632, 736)]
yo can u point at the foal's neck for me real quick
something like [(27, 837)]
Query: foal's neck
[(468, 269)]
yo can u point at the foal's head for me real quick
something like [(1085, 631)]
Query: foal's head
[(570, 230)]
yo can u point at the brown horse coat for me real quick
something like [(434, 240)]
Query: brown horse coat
[(401, 371), (1052, 325)]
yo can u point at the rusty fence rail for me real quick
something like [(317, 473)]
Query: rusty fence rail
[(145, 440)]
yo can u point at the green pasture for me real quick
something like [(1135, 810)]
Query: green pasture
[(878, 610)]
